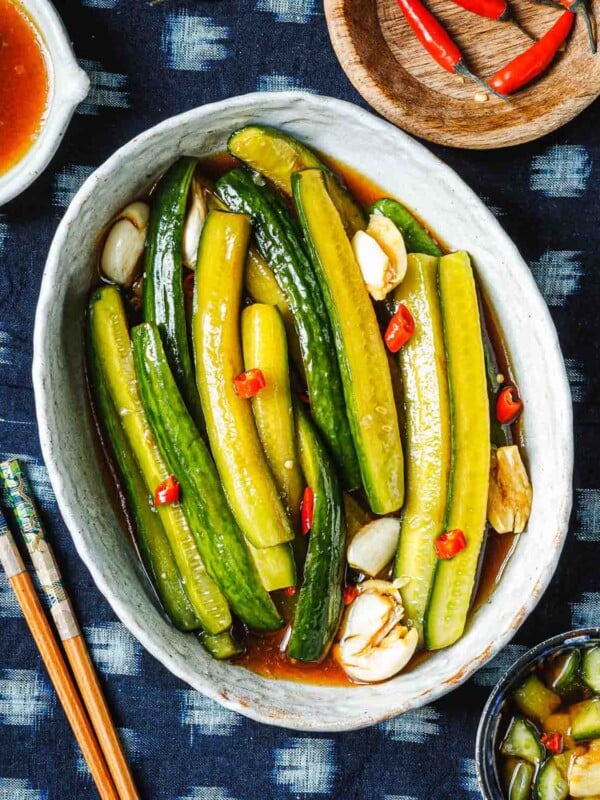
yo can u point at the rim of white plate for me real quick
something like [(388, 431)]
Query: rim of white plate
[(304, 706)]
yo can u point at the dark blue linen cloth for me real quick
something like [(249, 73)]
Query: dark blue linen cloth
[(147, 63)]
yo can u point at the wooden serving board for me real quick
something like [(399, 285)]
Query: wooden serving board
[(391, 70)]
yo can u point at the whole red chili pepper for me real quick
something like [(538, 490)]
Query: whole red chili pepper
[(553, 742), (401, 327), (578, 7), (498, 10), (249, 383), (307, 510), (450, 544), (167, 492), (435, 39), (533, 61), (508, 405)]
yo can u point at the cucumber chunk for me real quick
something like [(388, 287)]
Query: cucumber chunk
[(586, 722), (454, 579), (277, 156), (518, 779), (361, 354), (424, 378), (522, 741), (535, 700), (590, 669), (550, 783), (563, 670), (416, 238)]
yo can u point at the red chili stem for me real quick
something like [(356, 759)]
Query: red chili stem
[(578, 7), (533, 61)]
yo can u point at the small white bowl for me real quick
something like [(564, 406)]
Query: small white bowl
[(67, 86), (403, 168)]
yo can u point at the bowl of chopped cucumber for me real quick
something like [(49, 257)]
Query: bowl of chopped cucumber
[(539, 735), (303, 408)]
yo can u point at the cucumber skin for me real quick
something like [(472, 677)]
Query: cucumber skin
[(416, 238), (444, 568), (110, 333), (590, 668), (163, 298), (427, 436), (151, 538), (353, 216), (280, 244), (320, 602), (217, 535), (368, 396)]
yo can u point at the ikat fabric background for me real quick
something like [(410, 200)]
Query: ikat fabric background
[(146, 63)]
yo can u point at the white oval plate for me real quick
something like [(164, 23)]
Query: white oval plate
[(403, 168)]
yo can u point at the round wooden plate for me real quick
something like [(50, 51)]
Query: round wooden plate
[(389, 67)]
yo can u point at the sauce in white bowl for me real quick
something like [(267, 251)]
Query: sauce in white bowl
[(42, 84)]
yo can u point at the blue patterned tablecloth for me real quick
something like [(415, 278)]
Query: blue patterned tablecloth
[(146, 63)]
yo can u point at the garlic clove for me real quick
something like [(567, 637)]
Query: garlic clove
[(194, 222), (374, 546), (374, 645), (510, 493), (391, 241), (381, 256), (123, 247)]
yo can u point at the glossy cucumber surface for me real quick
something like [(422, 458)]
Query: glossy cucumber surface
[(216, 533), (150, 535), (164, 301), (454, 579), (230, 427), (361, 354), (428, 442), (110, 338), (416, 238), (280, 244), (276, 155), (320, 600)]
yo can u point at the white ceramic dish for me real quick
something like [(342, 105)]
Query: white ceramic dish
[(404, 168), (67, 86)]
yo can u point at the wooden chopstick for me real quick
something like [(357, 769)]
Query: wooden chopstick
[(44, 562), (52, 657)]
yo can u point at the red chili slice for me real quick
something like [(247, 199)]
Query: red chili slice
[(508, 405), (167, 492), (249, 383), (350, 593), (400, 329), (291, 591), (553, 742), (307, 510), (450, 544)]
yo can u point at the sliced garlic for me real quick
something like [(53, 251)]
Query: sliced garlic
[(381, 256), (510, 492), (194, 222), (374, 645), (123, 247), (584, 775), (374, 546)]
